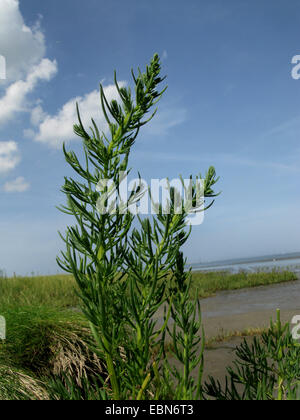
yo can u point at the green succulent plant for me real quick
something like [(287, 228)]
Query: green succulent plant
[(128, 267)]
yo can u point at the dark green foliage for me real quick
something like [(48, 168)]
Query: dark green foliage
[(266, 369)]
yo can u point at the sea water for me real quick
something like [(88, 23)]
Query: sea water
[(265, 263)]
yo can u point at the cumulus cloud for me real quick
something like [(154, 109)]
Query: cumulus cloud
[(22, 46), (9, 156), (56, 129), (18, 185), (37, 115), (23, 49), (14, 99)]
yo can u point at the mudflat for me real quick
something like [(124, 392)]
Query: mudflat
[(239, 310), (250, 308)]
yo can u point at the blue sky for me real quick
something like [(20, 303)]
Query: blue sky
[(231, 103)]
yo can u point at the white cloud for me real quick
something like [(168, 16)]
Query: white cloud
[(37, 115), (56, 129), (14, 99), (22, 46), (9, 156), (18, 185)]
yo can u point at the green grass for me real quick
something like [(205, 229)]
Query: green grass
[(59, 291), (45, 337), (55, 291), (43, 342), (16, 385), (209, 283)]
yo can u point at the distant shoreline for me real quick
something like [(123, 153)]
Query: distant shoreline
[(253, 260)]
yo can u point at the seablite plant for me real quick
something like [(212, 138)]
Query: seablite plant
[(129, 269), (267, 369)]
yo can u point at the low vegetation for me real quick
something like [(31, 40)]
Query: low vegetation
[(54, 291), (59, 291), (211, 282), (48, 336), (267, 368), (44, 342)]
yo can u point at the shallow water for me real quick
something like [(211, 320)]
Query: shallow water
[(292, 264), (244, 308), (282, 296)]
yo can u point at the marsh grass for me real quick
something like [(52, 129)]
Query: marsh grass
[(54, 291), (42, 343), (16, 385), (59, 291), (209, 283)]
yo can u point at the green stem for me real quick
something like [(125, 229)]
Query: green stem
[(144, 386), (185, 367), (109, 361), (113, 377)]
